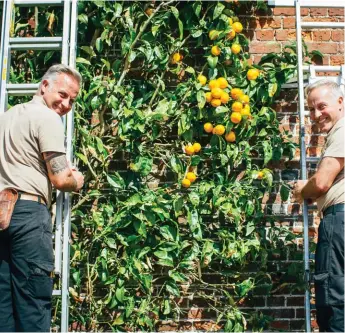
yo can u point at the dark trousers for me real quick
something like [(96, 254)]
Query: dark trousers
[(26, 263), (329, 271)]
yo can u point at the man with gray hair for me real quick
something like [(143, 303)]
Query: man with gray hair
[(32, 159), (326, 187)]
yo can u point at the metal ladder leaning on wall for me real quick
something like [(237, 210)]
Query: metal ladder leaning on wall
[(302, 114), (67, 45)]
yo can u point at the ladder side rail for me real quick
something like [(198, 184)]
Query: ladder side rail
[(72, 15), (303, 164), (5, 53)]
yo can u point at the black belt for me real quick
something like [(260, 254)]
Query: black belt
[(334, 209)]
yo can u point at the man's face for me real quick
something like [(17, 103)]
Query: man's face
[(60, 94), (325, 108)]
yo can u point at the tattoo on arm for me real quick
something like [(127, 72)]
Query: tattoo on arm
[(56, 162)]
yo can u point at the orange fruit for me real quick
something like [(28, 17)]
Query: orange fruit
[(236, 48), (260, 175), (176, 58), (208, 127), (252, 74), (236, 117), (244, 99), (236, 107), (215, 50), (219, 130), (213, 84), (237, 26), (222, 82), (189, 150), (191, 176), (236, 93), (231, 35), (230, 20), (246, 110), (202, 79), (148, 11), (216, 102), (213, 34), (216, 92), (230, 137), (196, 147), (186, 183), (208, 96), (224, 97)]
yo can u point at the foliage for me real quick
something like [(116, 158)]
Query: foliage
[(141, 242)]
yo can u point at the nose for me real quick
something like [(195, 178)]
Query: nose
[(66, 104)]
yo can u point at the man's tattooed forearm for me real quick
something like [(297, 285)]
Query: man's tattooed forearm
[(58, 164), (50, 155)]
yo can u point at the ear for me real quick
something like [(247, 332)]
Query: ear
[(44, 86)]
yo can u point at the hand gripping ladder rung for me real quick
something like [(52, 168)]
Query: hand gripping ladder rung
[(301, 98), (67, 44)]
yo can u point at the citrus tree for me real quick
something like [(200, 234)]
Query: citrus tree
[(175, 133)]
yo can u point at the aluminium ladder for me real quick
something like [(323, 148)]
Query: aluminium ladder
[(301, 98), (67, 45)]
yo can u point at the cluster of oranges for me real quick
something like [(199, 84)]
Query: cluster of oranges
[(220, 130), (189, 179), (192, 149), (217, 95)]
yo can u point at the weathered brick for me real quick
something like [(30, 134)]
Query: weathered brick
[(265, 22), (341, 48), (338, 35), (336, 11), (283, 325), (258, 47), (276, 301), (264, 35), (330, 48), (289, 22), (285, 11), (318, 12), (321, 35), (336, 60), (297, 325), (295, 301)]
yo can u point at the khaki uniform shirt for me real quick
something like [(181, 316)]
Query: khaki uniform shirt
[(26, 131), (334, 147)]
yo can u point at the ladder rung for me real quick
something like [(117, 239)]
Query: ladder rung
[(323, 25), (36, 43), (22, 89), (38, 3), (56, 292), (323, 68), (313, 159)]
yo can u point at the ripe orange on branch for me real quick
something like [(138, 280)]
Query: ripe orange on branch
[(236, 107), (222, 82), (208, 96), (253, 74), (215, 50), (213, 84), (237, 26), (196, 147), (224, 97), (189, 150), (236, 48), (236, 93), (236, 117), (177, 57), (246, 110), (202, 79), (230, 137), (216, 102), (213, 34), (244, 99), (208, 127), (231, 35), (191, 176), (216, 92), (186, 183), (219, 130)]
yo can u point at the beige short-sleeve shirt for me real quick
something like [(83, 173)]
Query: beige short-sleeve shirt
[(26, 131), (334, 147)]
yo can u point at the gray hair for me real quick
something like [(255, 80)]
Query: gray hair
[(333, 87), (55, 70)]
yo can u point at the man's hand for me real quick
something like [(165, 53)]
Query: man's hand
[(297, 188), (78, 177)]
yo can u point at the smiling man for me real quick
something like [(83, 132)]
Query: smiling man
[(326, 187), (32, 159)]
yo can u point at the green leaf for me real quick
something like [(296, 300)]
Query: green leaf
[(80, 60), (197, 8), (284, 192), (194, 198), (218, 10), (272, 89), (83, 18), (115, 180), (250, 228), (212, 61), (120, 294), (168, 232), (201, 98)]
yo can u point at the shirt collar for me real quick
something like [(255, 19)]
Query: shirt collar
[(39, 100)]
